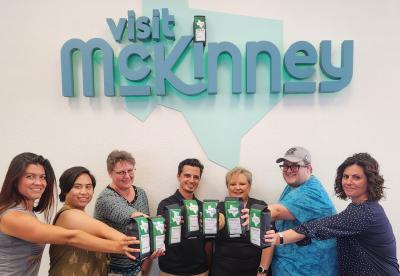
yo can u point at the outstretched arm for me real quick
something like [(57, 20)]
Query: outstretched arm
[(288, 236), (352, 221), (26, 227), (280, 212), (79, 220)]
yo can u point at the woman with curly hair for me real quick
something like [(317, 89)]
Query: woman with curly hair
[(365, 241)]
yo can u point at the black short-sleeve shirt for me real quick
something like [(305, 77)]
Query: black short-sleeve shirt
[(235, 256), (189, 256)]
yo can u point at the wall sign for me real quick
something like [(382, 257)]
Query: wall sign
[(157, 62)]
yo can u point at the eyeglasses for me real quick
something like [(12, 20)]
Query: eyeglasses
[(129, 172), (293, 168)]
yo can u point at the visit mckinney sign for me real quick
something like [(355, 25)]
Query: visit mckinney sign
[(147, 47), (222, 87)]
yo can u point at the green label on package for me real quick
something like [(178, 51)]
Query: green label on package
[(192, 215), (210, 217), (158, 233), (174, 226), (199, 26), (144, 237), (232, 214), (255, 224)]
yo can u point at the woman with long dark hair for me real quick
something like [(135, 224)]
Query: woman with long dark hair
[(29, 188)]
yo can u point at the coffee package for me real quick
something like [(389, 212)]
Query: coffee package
[(157, 233), (260, 222), (233, 212), (191, 226), (210, 218), (172, 215), (199, 29), (139, 228)]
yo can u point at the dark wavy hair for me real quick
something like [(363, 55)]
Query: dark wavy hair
[(10, 196), (371, 170), (193, 162), (67, 180)]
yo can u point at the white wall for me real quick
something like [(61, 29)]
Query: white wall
[(81, 131)]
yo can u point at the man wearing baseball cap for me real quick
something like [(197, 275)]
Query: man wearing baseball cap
[(303, 199)]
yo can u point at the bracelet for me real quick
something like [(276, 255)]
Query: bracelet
[(280, 234)]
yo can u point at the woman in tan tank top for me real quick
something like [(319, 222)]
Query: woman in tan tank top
[(77, 187)]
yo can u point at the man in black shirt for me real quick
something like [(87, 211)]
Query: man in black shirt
[(189, 257)]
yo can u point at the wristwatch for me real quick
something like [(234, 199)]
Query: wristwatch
[(262, 270), (280, 238)]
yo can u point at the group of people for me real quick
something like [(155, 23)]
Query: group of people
[(364, 236), (78, 241), (308, 237)]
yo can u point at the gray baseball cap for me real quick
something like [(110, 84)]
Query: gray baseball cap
[(296, 155)]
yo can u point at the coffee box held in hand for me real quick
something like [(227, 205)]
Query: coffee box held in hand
[(139, 228), (191, 219), (260, 222), (210, 219), (157, 233), (233, 212), (172, 215)]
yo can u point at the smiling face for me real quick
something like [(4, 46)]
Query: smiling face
[(81, 192), (355, 183), (122, 175), (189, 180), (32, 183), (296, 174), (239, 186)]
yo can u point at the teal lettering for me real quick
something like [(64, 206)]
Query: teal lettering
[(253, 50), (117, 31), (138, 75), (163, 69), (87, 50), (214, 51), (296, 61), (341, 75), (143, 27), (299, 62)]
